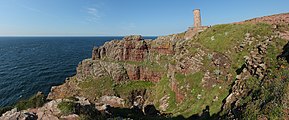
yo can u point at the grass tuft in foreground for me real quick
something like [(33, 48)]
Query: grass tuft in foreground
[(35, 101)]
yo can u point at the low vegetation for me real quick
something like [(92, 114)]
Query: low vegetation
[(222, 38), (268, 96), (104, 87), (67, 107), (35, 101), (128, 86)]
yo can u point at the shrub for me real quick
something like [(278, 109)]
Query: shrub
[(35, 101), (67, 108)]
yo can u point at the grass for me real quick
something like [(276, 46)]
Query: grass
[(222, 38), (94, 88), (161, 89), (35, 101), (283, 27), (86, 112), (129, 86), (192, 105), (67, 108), (266, 96)]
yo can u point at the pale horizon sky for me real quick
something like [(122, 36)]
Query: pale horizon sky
[(123, 17)]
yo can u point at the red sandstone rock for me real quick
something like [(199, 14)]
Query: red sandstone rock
[(131, 48), (273, 19), (191, 32), (179, 96), (142, 73)]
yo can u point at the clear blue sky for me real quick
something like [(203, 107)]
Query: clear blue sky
[(124, 17)]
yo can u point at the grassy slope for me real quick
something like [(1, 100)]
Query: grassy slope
[(222, 39), (267, 95)]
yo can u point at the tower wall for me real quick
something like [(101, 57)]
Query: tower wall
[(197, 18)]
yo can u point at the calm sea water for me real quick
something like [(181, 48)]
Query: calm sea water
[(31, 64)]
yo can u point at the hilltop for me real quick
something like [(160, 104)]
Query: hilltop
[(228, 71)]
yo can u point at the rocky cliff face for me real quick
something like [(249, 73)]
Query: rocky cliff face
[(201, 69), (226, 71)]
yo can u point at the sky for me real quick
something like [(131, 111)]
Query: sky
[(124, 17)]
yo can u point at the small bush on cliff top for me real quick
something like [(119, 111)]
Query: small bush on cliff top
[(35, 101), (67, 108)]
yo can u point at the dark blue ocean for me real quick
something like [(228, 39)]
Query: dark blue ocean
[(31, 64)]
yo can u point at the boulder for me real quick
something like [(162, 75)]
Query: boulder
[(112, 101)]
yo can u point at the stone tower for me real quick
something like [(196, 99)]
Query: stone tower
[(197, 18)]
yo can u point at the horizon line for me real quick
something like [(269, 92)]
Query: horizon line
[(73, 35)]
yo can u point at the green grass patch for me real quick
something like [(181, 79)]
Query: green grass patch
[(129, 86), (224, 37), (162, 89), (67, 108), (194, 104), (35, 101), (94, 88), (191, 104), (193, 80)]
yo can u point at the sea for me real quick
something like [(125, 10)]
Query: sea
[(32, 64)]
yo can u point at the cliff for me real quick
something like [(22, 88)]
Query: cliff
[(231, 71)]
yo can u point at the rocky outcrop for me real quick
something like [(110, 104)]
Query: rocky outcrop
[(69, 88), (48, 112), (165, 45), (18, 115), (131, 48), (112, 101), (135, 48), (136, 72), (273, 19), (186, 61), (222, 64), (191, 32), (99, 68), (254, 66)]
